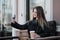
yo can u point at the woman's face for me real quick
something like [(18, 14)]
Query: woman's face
[(35, 13)]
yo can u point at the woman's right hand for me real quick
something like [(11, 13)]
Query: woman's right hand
[(13, 20)]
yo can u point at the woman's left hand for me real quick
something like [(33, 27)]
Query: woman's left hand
[(34, 35)]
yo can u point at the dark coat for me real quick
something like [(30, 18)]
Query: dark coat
[(34, 26)]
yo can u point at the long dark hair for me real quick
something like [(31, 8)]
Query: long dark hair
[(40, 14)]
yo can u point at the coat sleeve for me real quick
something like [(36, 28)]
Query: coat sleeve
[(18, 26)]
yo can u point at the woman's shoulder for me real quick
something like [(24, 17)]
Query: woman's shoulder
[(32, 22), (29, 22)]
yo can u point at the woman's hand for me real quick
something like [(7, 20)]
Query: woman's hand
[(13, 20), (33, 35)]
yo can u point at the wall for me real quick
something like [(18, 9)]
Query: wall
[(49, 10), (56, 11)]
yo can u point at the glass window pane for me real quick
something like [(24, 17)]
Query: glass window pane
[(0, 24), (7, 13), (34, 3), (0, 15), (6, 17)]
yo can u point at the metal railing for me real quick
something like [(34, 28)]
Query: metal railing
[(8, 37), (47, 38), (42, 38)]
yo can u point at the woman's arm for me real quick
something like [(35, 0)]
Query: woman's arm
[(18, 26)]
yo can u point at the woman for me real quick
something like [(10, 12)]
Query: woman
[(37, 26)]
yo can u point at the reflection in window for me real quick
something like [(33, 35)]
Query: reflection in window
[(0, 15), (0, 24), (6, 16), (7, 13)]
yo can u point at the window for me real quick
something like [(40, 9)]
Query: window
[(6, 15), (34, 3)]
